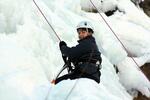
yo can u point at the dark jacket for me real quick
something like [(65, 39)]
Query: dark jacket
[(84, 57)]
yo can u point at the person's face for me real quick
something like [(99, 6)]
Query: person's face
[(82, 33)]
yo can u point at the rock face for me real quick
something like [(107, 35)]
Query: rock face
[(146, 70), (146, 6)]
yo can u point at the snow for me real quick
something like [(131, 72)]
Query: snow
[(19, 71), (30, 56), (102, 5), (89, 91), (127, 75)]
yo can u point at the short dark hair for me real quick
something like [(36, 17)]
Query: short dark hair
[(86, 29)]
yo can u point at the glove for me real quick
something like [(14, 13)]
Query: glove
[(62, 43)]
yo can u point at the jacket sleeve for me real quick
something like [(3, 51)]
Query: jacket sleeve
[(75, 52)]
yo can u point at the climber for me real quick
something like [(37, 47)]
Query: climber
[(85, 56)]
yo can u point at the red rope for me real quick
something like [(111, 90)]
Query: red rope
[(114, 34), (46, 20)]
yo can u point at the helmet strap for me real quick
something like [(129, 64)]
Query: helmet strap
[(87, 30)]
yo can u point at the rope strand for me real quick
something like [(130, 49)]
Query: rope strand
[(138, 67), (53, 31), (46, 20)]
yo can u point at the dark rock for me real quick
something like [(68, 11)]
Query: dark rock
[(146, 6), (146, 70)]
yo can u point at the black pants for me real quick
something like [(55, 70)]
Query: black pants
[(74, 75)]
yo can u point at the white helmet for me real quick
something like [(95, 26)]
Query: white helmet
[(85, 24)]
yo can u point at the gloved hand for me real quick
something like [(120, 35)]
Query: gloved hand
[(62, 43)]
